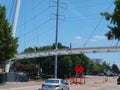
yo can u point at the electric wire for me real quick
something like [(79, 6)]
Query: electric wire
[(91, 5), (73, 19), (40, 13), (97, 26), (25, 45), (79, 1), (40, 2), (35, 27), (40, 25), (11, 11), (89, 15), (8, 5), (25, 22)]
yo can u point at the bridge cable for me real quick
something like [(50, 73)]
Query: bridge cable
[(27, 21), (35, 32), (12, 10), (97, 25)]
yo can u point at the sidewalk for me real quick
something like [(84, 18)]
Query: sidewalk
[(20, 85)]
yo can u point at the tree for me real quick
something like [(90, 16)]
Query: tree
[(66, 63), (64, 66), (115, 68), (97, 68), (114, 19), (8, 44)]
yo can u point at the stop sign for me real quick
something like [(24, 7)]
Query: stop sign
[(79, 69)]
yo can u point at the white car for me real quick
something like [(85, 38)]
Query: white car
[(55, 84)]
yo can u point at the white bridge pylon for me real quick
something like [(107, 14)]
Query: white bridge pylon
[(68, 51)]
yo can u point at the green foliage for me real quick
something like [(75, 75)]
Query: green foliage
[(97, 68), (114, 19), (8, 45), (31, 67), (30, 49), (37, 77), (19, 67), (66, 64), (115, 68)]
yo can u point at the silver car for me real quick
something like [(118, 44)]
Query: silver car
[(55, 84)]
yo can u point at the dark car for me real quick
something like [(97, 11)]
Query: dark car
[(118, 80)]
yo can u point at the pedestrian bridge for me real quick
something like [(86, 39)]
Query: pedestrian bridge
[(67, 51)]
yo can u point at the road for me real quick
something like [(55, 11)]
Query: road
[(92, 83)]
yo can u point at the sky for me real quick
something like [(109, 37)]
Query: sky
[(80, 24)]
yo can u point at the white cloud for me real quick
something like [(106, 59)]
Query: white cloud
[(78, 38), (98, 37), (93, 40)]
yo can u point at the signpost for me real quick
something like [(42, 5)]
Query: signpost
[(79, 69)]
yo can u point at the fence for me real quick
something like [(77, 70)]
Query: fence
[(13, 77)]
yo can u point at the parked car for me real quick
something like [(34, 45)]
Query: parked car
[(101, 74), (118, 80), (55, 84)]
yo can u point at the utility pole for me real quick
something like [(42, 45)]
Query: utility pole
[(57, 15), (56, 39)]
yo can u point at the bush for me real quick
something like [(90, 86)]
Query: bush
[(47, 76), (36, 77)]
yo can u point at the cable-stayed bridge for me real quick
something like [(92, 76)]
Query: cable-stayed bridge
[(67, 51)]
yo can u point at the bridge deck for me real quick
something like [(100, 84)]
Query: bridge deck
[(67, 51)]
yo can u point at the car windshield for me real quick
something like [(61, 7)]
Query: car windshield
[(52, 81)]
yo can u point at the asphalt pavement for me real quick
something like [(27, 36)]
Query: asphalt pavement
[(91, 83)]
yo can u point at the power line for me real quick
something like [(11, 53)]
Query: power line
[(24, 22), (79, 18), (35, 27), (97, 26), (40, 13), (93, 31), (40, 2), (91, 5), (79, 1), (11, 11), (40, 25)]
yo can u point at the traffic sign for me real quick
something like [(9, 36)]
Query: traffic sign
[(79, 69)]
